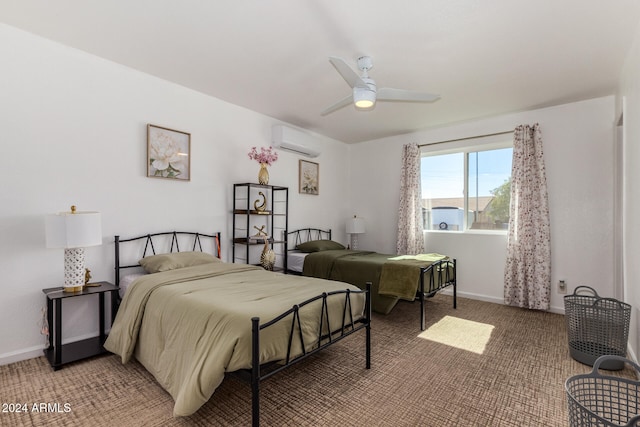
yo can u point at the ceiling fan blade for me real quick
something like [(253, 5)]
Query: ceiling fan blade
[(338, 105), (347, 73), (390, 94)]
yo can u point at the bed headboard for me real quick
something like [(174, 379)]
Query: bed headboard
[(294, 238), (129, 251)]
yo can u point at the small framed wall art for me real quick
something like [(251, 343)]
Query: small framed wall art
[(309, 177), (168, 153)]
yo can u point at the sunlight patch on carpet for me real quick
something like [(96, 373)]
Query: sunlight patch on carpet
[(459, 333)]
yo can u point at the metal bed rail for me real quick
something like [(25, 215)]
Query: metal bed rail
[(324, 339), (303, 235), (441, 274), (175, 247)]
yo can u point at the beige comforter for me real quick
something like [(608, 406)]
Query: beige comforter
[(190, 326)]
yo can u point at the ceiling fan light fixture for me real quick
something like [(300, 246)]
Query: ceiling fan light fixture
[(363, 98), (365, 93)]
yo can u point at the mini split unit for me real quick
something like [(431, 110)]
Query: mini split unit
[(293, 140)]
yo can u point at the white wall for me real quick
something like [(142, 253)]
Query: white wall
[(74, 131), (629, 103), (74, 127), (578, 153)]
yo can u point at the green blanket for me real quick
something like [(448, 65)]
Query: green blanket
[(401, 275), (190, 326), (355, 267), (392, 277)]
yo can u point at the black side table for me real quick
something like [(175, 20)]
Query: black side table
[(58, 354)]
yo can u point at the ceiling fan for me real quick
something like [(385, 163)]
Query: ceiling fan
[(365, 93)]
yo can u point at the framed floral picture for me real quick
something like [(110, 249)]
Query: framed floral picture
[(168, 153), (309, 177)]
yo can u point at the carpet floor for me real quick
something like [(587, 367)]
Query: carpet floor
[(481, 364)]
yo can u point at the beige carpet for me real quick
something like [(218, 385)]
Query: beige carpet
[(512, 374)]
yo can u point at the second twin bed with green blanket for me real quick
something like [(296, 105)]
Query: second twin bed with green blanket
[(393, 277)]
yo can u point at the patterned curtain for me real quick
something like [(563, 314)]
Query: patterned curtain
[(527, 276), (410, 234)]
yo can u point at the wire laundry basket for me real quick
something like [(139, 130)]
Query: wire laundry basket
[(602, 400), (596, 327)]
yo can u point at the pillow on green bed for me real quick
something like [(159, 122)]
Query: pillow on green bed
[(319, 245), (166, 262)]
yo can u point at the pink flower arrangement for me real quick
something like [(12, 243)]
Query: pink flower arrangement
[(266, 155)]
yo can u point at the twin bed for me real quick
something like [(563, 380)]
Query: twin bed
[(189, 318), (312, 253)]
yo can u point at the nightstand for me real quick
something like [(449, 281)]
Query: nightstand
[(58, 354)]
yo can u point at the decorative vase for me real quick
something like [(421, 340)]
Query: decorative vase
[(268, 256), (263, 175)]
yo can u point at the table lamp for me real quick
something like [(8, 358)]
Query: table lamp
[(355, 226), (73, 231)]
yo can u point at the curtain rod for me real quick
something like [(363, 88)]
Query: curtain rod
[(468, 137)]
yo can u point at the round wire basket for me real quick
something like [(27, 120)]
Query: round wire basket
[(596, 326), (602, 400)]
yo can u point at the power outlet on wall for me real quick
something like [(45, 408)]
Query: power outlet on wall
[(562, 287)]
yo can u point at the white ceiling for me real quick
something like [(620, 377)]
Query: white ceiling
[(484, 57)]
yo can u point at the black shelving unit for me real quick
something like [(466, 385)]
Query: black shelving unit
[(261, 206)]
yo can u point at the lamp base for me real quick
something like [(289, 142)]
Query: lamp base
[(74, 272), (354, 241)]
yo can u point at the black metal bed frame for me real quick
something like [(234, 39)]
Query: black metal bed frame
[(148, 245), (303, 235), (445, 271), (348, 327), (439, 275), (325, 338)]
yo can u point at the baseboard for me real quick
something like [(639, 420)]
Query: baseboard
[(480, 297), (37, 351), (17, 356)]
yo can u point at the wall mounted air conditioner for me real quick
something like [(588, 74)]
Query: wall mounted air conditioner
[(293, 140)]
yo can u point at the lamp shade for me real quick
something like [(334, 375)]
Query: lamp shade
[(355, 225), (73, 230)]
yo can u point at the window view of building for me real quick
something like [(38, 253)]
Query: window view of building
[(466, 189)]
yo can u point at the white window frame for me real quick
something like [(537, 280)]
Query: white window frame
[(466, 146)]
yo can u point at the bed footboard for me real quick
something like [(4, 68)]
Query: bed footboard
[(439, 275), (348, 326)]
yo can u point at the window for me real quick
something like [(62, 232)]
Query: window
[(465, 189)]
